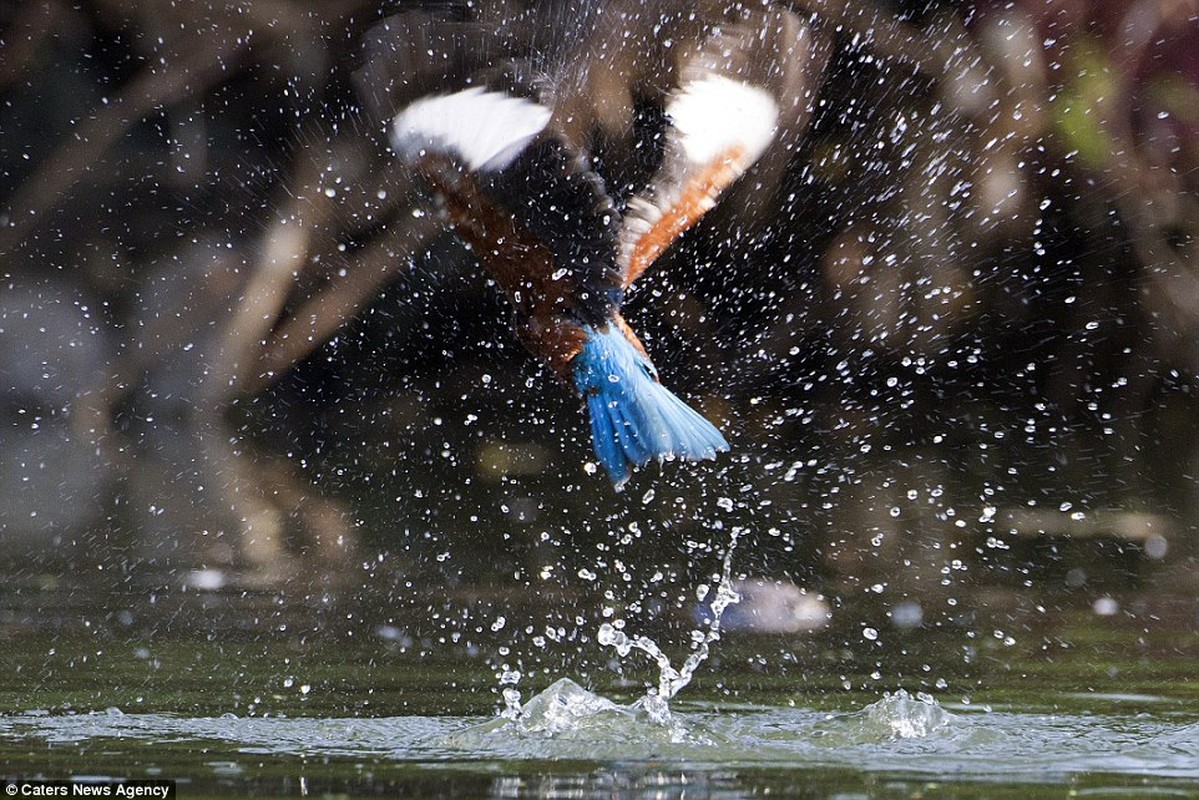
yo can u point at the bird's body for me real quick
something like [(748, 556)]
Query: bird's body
[(526, 198)]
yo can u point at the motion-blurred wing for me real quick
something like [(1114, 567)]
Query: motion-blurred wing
[(432, 45), (719, 124), (482, 129), (512, 188)]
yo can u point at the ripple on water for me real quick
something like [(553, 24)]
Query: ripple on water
[(568, 721), (898, 734)]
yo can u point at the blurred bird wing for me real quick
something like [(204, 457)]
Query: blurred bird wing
[(431, 46), (485, 130), (719, 124), (538, 216)]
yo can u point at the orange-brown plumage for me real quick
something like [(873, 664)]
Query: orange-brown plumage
[(696, 197), (523, 266), (542, 222)]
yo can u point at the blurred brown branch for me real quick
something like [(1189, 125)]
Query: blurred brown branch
[(193, 70), (1153, 198)]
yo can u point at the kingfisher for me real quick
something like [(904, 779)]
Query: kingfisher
[(540, 219)]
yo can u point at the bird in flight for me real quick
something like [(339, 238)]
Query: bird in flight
[(540, 219)]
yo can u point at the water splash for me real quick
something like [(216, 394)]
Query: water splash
[(670, 680), (655, 705), (898, 716), (902, 716), (1001, 753), (564, 708), (566, 712), (509, 678)]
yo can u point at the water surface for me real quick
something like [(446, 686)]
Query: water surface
[(1070, 706)]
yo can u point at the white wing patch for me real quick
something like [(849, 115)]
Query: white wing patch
[(718, 128), (486, 130), (715, 114)]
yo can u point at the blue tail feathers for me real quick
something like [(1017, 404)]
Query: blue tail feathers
[(634, 418)]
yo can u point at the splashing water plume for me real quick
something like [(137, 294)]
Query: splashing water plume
[(670, 680), (565, 700)]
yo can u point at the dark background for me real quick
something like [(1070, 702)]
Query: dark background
[(951, 331)]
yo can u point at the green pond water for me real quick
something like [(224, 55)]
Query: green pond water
[(294, 695)]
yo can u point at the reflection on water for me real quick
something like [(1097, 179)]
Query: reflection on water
[(570, 734), (321, 691), (1024, 646)]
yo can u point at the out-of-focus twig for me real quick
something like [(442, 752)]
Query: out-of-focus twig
[(158, 339), (196, 68), (32, 24), (935, 56), (286, 250), (322, 315), (1150, 197)]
